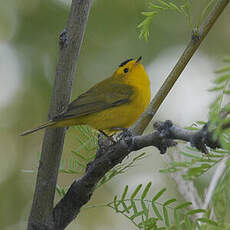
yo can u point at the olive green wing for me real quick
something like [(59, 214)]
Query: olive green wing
[(100, 97)]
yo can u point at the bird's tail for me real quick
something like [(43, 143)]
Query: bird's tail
[(42, 126)]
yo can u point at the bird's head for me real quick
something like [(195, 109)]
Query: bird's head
[(131, 71)]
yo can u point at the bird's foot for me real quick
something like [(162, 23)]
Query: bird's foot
[(110, 138), (125, 134)]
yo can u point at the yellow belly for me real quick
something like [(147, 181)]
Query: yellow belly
[(122, 116)]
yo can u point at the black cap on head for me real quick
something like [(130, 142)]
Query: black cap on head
[(125, 62)]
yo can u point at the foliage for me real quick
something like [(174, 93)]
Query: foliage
[(153, 214), (221, 201), (194, 164), (85, 152), (76, 164), (121, 168), (220, 109), (87, 146), (220, 122), (183, 7)]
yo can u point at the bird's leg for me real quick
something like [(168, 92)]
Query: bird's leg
[(103, 144), (125, 135), (125, 132), (107, 136)]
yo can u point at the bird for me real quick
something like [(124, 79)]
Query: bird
[(112, 104)]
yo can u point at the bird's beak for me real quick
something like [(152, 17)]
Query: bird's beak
[(138, 60)]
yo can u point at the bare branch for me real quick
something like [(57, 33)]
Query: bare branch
[(70, 43), (110, 155)]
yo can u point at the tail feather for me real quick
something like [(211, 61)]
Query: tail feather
[(42, 126)]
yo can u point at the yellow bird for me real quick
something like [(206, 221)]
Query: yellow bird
[(111, 104)]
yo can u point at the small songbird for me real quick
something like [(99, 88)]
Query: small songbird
[(112, 104)]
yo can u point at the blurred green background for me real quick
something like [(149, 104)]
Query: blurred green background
[(29, 31)]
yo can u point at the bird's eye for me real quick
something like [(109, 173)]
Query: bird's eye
[(126, 70)]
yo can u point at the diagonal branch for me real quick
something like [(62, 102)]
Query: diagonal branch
[(197, 37), (70, 42)]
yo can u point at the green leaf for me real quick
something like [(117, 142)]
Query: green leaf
[(188, 223), (192, 128), (166, 216), (157, 196), (205, 166), (222, 78), (148, 14), (146, 190), (192, 149), (169, 170), (156, 211), (208, 221), (145, 22), (125, 207), (60, 190), (190, 155), (136, 191), (176, 220), (223, 69), (79, 155), (134, 206), (195, 211), (154, 6), (116, 204), (124, 193), (220, 88), (201, 122), (136, 215), (169, 202), (185, 12), (181, 164), (145, 209), (197, 171), (184, 205), (164, 3), (175, 7)]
